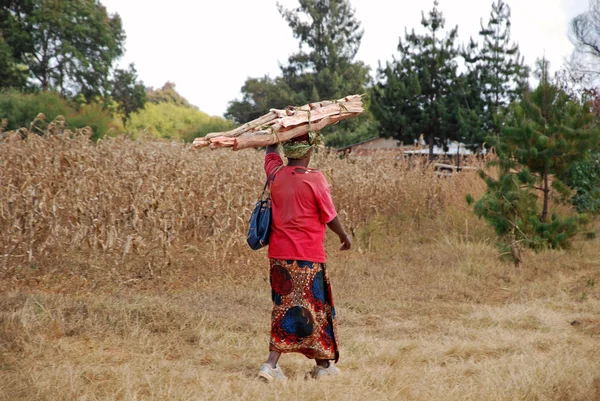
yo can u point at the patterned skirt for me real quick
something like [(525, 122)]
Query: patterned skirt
[(303, 318)]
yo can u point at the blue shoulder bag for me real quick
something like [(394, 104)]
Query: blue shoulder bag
[(260, 221)]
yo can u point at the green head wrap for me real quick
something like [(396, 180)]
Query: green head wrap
[(299, 149)]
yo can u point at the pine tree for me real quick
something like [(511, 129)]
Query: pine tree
[(329, 38), (499, 67), (545, 134), (419, 93)]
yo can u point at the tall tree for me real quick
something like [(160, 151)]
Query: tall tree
[(585, 35), (500, 67), (329, 38), (128, 92), (68, 46), (323, 68), (545, 134), (417, 94)]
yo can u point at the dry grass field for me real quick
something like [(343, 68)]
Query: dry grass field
[(124, 275)]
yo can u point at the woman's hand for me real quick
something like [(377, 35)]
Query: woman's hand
[(346, 242), (336, 226)]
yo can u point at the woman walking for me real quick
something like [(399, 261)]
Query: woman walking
[(303, 318)]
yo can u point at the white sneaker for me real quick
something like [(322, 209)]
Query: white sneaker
[(320, 372), (268, 374)]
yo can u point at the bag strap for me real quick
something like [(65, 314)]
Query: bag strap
[(270, 179)]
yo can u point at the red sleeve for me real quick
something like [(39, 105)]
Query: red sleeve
[(323, 194), (272, 161)]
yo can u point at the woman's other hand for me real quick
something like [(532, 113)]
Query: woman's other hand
[(346, 242), (336, 226)]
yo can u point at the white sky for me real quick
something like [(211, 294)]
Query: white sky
[(209, 47)]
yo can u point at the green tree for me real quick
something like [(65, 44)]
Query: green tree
[(11, 74), (330, 36), (508, 206), (128, 92), (259, 95), (584, 177), (499, 66), (545, 135), (68, 46), (324, 68), (420, 92)]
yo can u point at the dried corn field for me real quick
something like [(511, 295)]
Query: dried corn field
[(124, 275), (123, 201)]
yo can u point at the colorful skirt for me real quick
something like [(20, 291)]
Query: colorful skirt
[(303, 318)]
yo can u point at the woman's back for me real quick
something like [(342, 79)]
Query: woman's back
[(301, 208)]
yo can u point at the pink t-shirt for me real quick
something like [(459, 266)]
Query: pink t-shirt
[(301, 206)]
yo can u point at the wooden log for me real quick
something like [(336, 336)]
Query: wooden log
[(200, 143), (320, 113), (283, 124), (272, 115), (290, 111), (256, 141)]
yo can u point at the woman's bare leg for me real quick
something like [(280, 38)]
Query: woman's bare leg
[(273, 358), (324, 363)]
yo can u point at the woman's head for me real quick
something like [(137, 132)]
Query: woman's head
[(302, 146)]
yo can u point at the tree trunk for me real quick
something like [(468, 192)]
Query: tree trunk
[(430, 140), (546, 191)]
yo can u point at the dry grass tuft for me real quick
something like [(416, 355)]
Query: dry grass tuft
[(124, 275)]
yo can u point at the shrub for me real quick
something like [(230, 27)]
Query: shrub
[(584, 177), (173, 121), (20, 109)]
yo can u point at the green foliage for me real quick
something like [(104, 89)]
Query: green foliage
[(512, 209), (420, 93), (172, 121), (167, 94), (330, 37), (67, 46), (323, 69), (365, 130), (212, 124), (507, 205), (21, 109), (547, 134), (496, 71), (584, 177), (93, 115), (129, 94), (259, 95), (556, 233), (11, 74)]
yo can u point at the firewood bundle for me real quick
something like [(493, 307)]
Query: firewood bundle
[(282, 125)]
